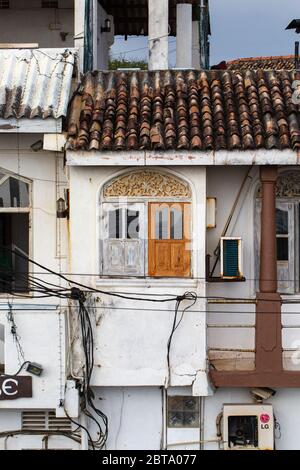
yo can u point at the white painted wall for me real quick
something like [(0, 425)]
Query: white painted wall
[(35, 329), (42, 332), (131, 344), (33, 24), (102, 41), (135, 417)]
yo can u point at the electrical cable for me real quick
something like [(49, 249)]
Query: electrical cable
[(17, 373), (192, 296), (88, 288), (81, 427), (88, 348), (114, 294)]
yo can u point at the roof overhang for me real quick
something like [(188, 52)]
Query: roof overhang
[(131, 16), (182, 158)]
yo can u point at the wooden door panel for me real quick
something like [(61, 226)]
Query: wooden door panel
[(177, 256), (162, 256)]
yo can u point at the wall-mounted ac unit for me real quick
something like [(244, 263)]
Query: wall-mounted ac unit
[(231, 257), (248, 427)]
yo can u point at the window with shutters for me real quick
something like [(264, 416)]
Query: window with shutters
[(15, 208), (287, 232), (146, 225), (123, 239)]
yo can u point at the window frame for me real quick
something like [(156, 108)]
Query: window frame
[(124, 206), (146, 200), (295, 250), (20, 210), (169, 240)]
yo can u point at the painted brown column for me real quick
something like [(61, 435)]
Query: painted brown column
[(268, 370), (268, 310)]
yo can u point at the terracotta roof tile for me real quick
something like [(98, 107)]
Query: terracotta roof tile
[(265, 63), (185, 110)]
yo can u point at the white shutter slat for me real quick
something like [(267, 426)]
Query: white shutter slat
[(123, 256)]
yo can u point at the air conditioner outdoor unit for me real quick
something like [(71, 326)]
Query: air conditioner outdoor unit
[(231, 257), (248, 427)]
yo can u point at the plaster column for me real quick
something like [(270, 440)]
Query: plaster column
[(184, 37), (158, 14), (268, 256), (79, 28), (196, 46), (268, 310)]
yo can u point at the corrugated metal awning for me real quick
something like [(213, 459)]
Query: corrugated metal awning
[(35, 82)]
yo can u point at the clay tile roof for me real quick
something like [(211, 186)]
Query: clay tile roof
[(185, 110), (266, 63)]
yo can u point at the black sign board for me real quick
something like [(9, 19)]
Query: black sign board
[(13, 387)]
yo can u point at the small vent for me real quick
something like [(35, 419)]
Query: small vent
[(4, 4), (231, 258), (49, 4), (44, 421), (58, 424), (34, 420)]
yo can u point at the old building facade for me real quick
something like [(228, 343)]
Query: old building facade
[(181, 242)]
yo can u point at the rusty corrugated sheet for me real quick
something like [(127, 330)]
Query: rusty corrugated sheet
[(35, 82)]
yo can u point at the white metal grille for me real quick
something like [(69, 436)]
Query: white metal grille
[(44, 421)]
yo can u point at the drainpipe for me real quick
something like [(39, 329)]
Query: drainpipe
[(203, 36), (88, 37), (84, 436)]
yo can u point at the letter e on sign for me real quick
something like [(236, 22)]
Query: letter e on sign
[(14, 387)]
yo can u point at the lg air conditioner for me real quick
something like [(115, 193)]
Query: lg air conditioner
[(248, 427)]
